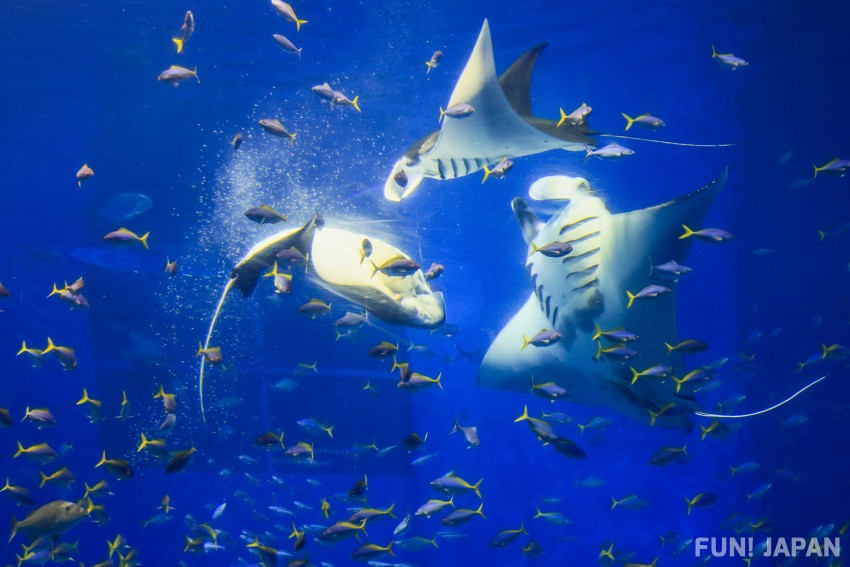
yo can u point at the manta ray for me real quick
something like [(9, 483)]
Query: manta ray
[(501, 125), (335, 261), (587, 288)]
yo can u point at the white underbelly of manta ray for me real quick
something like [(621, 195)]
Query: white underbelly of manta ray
[(585, 288)]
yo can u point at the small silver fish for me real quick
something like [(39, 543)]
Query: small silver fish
[(611, 151), (287, 45), (176, 75)]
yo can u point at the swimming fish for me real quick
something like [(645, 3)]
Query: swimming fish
[(287, 45), (86, 172), (237, 140), (499, 171), (651, 290), (119, 467), (125, 235), (543, 338), (66, 355), (610, 151), (186, 31), (728, 60), (459, 110), (434, 61), (274, 127), (52, 519), (470, 433), (282, 281), (176, 74), (646, 120), (709, 234), (575, 118), (584, 290), (835, 166), (170, 267), (265, 214), (287, 12)]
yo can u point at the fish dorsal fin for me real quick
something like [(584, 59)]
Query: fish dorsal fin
[(516, 81), (529, 223)]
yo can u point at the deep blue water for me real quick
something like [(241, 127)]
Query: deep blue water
[(79, 86)]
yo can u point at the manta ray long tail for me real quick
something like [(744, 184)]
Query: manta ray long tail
[(771, 408), (622, 137), (207, 343)]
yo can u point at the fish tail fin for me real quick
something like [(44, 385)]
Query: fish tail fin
[(703, 432), (199, 353), (597, 332), (50, 346), (688, 232), (14, 530), (613, 503), (631, 297), (635, 375), (685, 449), (19, 452), (654, 562), (102, 460), (7, 486), (280, 439), (821, 234), (522, 529), (85, 399), (690, 504), (817, 170), (374, 269), (477, 489), (292, 137), (480, 510), (487, 173), (456, 427), (330, 431), (826, 350), (678, 383), (563, 117), (442, 112), (428, 64), (539, 514), (629, 120), (598, 350), (437, 381), (298, 51), (652, 417), (524, 415), (44, 478), (524, 343), (433, 541), (713, 52), (389, 547), (143, 444), (355, 104), (588, 154), (195, 73), (23, 348), (390, 510), (581, 431), (670, 348), (179, 43), (298, 24), (26, 413), (57, 290), (144, 240)]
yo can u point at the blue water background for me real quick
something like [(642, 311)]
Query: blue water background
[(79, 87)]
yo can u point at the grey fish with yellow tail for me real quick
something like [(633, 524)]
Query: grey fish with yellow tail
[(186, 31), (124, 235), (288, 13)]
